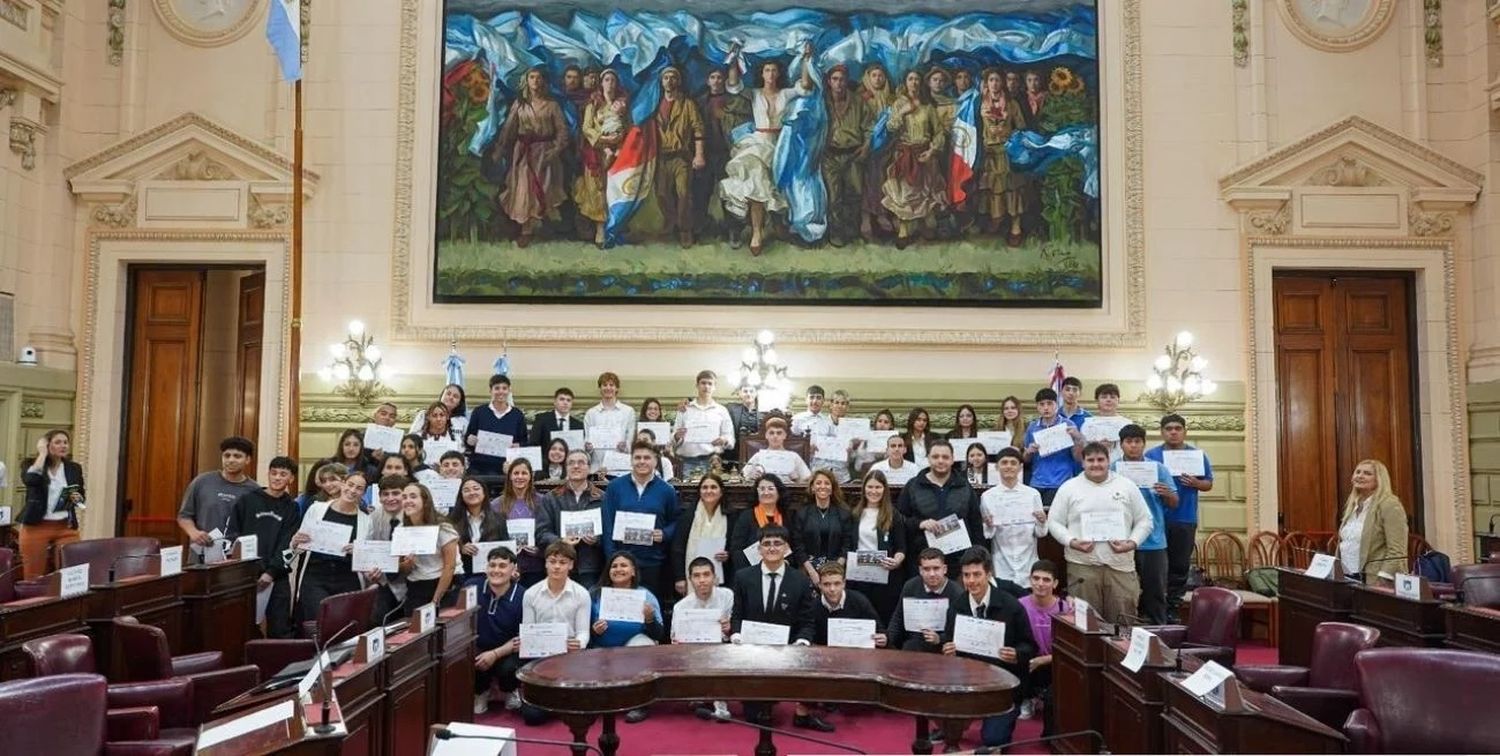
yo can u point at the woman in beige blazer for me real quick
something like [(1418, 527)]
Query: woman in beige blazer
[(1372, 532)]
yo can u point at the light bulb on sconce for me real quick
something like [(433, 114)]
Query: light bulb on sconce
[(1177, 376), (760, 368), (358, 367)]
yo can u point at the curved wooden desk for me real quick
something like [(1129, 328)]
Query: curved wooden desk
[(588, 684)]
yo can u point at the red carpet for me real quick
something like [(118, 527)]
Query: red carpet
[(672, 729)]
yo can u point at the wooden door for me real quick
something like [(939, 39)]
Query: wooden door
[(1344, 391), (252, 311), (162, 408)]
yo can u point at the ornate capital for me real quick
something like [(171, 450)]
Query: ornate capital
[(32, 409), (268, 216), (23, 141), (1428, 222), (8, 97), (118, 216), (1271, 222)]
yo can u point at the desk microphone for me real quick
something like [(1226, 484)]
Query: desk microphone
[(387, 617), (1067, 590), (1493, 517), (443, 733), (1366, 565), (325, 727), (1038, 741), (121, 557)]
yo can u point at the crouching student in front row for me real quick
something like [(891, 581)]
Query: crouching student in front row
[(984, 600), (835, 601), (497, 655), (705, 594)]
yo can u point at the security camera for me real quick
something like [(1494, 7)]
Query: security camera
[(28, 356)]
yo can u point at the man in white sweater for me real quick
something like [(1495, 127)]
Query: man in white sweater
[(1100, 518)]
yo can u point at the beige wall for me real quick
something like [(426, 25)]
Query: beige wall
[(1201, 115)]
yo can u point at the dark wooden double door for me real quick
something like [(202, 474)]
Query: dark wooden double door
[(1345, 390)]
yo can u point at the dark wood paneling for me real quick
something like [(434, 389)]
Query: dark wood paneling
[(251, 328)]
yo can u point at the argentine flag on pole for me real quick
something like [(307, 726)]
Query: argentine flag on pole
[(284, 32)]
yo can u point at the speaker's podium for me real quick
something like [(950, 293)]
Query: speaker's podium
[(290, 726), (1235, 719)]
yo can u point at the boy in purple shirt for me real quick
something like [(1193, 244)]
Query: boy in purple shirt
[(1040, 607)]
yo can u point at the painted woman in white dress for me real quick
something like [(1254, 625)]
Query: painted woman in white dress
[(747, 187)]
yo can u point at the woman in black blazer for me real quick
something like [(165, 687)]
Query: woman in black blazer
[(54, 490), (918, 434), (713, 528), (877, 521)]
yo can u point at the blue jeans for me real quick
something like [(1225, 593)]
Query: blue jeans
[(997, 731)]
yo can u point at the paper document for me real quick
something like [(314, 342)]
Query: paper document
[(697, 626), (522, 530), (483, 557), (375, 555), (616, 463), (1103, 526), (262, 600), (582, 524), (573, 438), (622, 605), (385, 439), (981, 637), (1208, 677), (540, 639), (878, 439), (764, 633), (701, 433), (851, 633), (864, 566), (1102, 428), (444, 493), (779, 462), (924, 614), (1009, 508), (433, 449), (605, 437), (409, 540), (328, 537), (1184, 462), (1053, 440), (1143, 474), (661, 432), (900, 476), (73, 580), (951, 536), (532, 454), (492, 444), (853, 429), (708, 548), (994, 441), (634, 528), (1140, 646)]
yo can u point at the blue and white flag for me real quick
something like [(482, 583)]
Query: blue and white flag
[(284, 32)]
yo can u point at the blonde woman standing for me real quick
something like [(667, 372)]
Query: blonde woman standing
[(1373, 531)]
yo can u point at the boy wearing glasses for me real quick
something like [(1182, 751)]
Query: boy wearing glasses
[(772, 592)]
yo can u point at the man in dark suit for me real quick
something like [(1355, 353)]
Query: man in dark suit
[(772, 592), (745, 415), (559, 418), (984, 600), (931, 582)]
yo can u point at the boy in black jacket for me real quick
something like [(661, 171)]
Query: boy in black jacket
[(984, 600), (270, 514)]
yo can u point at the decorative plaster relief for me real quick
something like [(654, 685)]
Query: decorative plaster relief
[(1337, 25)]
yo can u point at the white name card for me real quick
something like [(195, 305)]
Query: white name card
[(4, 515), (1140, 646), (1409, 586), (73, 580), (249, 546), (373, 645), (1207, 679), (1321, 567), (171, 560)]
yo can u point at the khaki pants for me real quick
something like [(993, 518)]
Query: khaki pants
[(35, 540), (674, 191), (844, 178), (1112, 593)]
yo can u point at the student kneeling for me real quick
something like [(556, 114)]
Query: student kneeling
[(983, 600), (498, 648), (622, 574)]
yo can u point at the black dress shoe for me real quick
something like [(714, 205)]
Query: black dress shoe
[(936, 735), (812, 722), (762, 718), (703, 711)]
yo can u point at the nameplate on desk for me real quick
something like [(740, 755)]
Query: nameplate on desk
[(4, 516), (468, 598), (73, 581), (1216, 685), (1413, 587), (247, 547), (239, 726), (474, 740), (423, 619), (1083, 616), (1323, 567), (1144, 647), (371, 646), (171, 560), (310, 680)]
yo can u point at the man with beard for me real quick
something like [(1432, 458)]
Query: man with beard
[(721, 112), (849, 126), (576, 98), (947, 106), (679, 132)]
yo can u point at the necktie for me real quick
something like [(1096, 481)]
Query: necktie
[(979, 610), (771, 596)]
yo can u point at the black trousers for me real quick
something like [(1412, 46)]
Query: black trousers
[(279, 610), (1151, 567), (419, 592), (1180, 544), (322, 579), (502, 673)]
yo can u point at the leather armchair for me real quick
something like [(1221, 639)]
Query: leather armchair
[(1423, 700), (1479, 583), (1213, 628), (100, 553), (1329, 689), (88, 727), (145, 656), (334, 614), (172, 699)]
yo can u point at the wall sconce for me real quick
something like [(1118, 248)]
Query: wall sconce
[(357, 366), (1177, 376), (760, 368)]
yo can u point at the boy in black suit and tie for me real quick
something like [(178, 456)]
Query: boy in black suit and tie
[(560, 418), (772, 592), (984, 600)]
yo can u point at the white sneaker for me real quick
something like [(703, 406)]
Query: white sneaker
[(481, 703), (1027, 710), (721, 710), (513, 701)]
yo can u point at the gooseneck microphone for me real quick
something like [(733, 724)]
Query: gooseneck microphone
[(444, 733), (325, 727)]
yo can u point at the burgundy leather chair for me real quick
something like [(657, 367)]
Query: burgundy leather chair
[(334, 614), (144, 655), (70, 654), (100, 553), (1479, 583), (68, 714), (1213, 628), (1329, 689), (7, 578), (1424, 700)]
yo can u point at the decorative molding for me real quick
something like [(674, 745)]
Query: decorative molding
[(23, 141), (403, 328), (1350, 37), (198, 166), (1273, 222), (250, 12), (15, 13), (1428, 223), (8, 95), (33, 409), (336, 414), (1432, 31), (185, 121), (1346, 171), (1240, 32), (268, 216), (116, 31), (1353, 125), (122, 215)]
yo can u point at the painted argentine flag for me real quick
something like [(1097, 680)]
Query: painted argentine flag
[(284, 32)]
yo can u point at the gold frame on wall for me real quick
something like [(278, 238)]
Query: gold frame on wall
[(1121, 323)]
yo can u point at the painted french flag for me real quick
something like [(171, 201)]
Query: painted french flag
[(965, 146), (284, 32), (629, 180)]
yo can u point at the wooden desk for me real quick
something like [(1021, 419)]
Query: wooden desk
[(1401, 622), (1133, 701), (455, 689), (585, 685), (288, 736), (151, 599), (1266, 725), (1472, 628), (1489, 543), (1305, 603), (29, 619), (1077, 682), (358, 691), (409, 682), (220, 608)]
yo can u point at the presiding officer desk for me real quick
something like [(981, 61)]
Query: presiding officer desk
[(586, 685)]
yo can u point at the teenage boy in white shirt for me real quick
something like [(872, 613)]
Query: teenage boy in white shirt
[(699, 413), (707, 594)]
